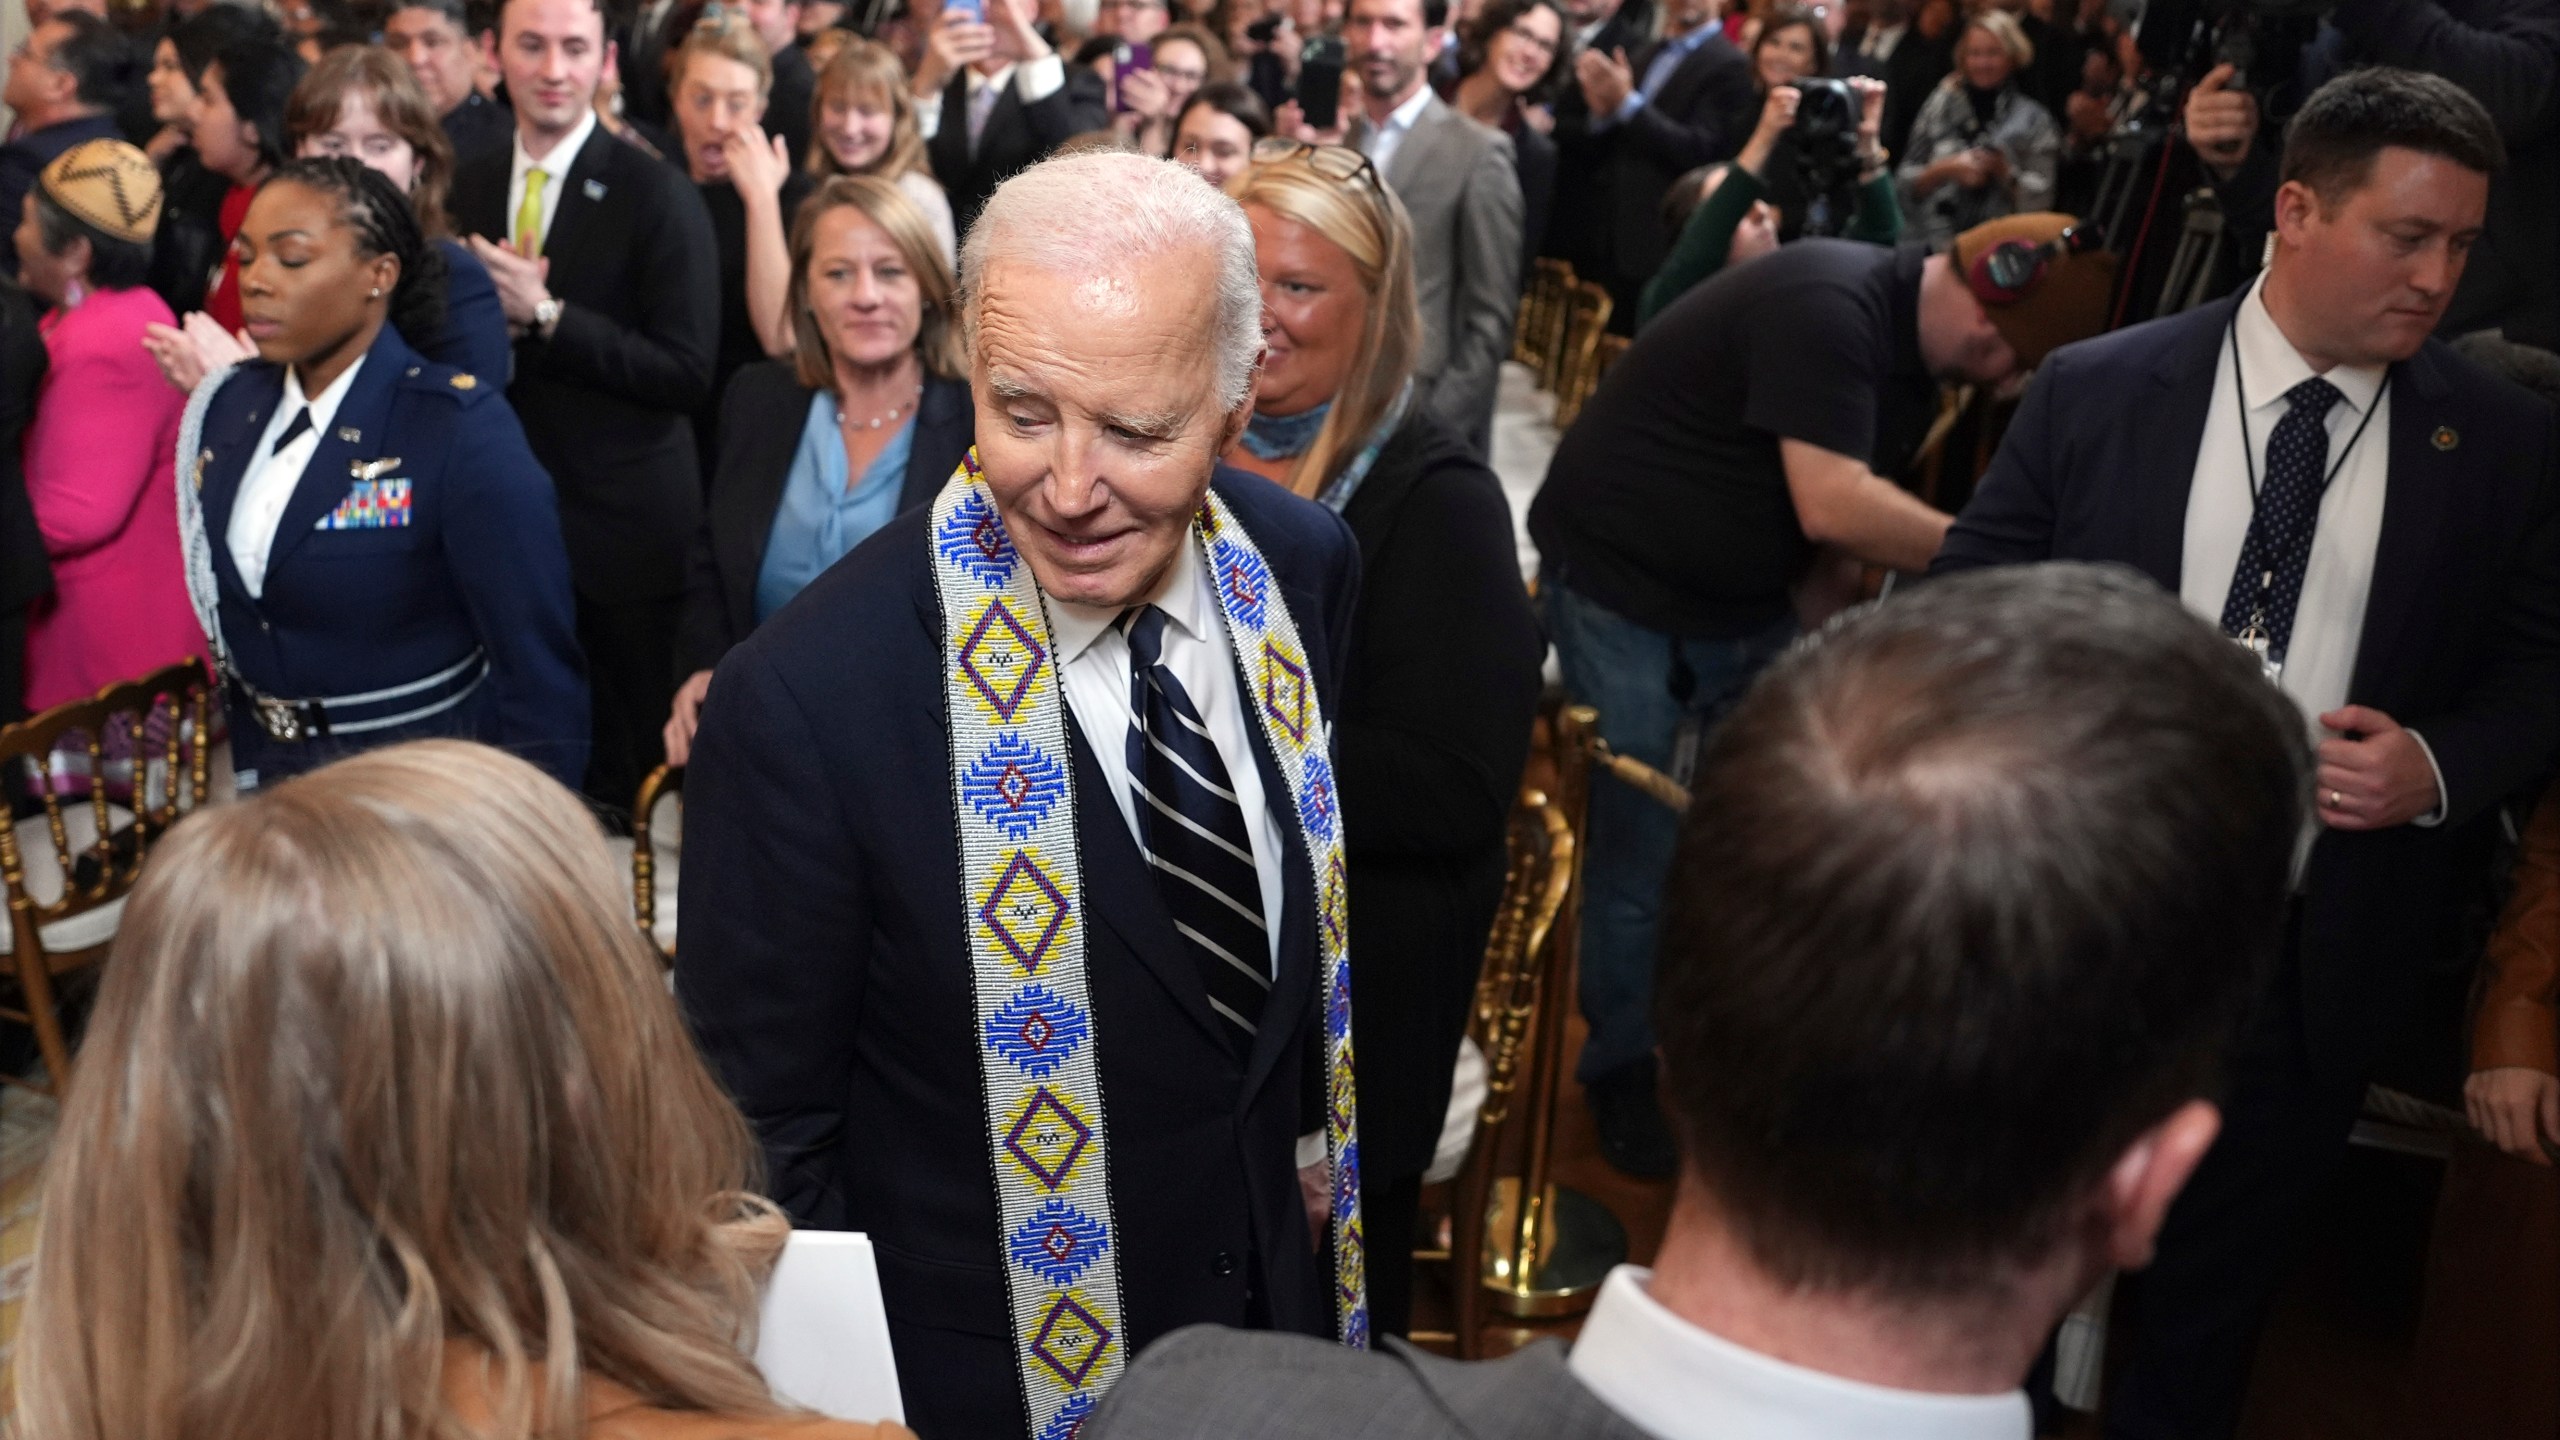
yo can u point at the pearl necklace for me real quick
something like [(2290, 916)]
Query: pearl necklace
[(896, 413)]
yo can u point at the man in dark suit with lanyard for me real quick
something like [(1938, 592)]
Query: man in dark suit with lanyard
[(1020, 816), (604, 262), (2374, 519)]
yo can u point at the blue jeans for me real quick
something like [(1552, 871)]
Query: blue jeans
[(1632, 676)]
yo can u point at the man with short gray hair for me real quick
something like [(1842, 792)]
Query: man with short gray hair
[(1022, 816)]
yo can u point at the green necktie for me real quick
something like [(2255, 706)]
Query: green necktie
[(529, 214)]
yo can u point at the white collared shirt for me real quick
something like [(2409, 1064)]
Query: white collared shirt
[(2328, 623), (555, 167), (1879, 41), (1093, 656), (1675, 1381), (1381, 139), (268, 485), (1034, 82)]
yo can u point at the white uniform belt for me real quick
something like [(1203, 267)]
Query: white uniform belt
[(296, 720)]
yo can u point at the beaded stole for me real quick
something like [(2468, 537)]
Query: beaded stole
[(1022, 893)]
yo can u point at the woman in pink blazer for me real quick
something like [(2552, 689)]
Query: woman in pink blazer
[(100, 453)]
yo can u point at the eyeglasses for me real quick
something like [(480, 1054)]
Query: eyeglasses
[(1532, 38), (1333, 162), (2009, 271)]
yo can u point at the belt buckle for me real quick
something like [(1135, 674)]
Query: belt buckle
[(281, 720)]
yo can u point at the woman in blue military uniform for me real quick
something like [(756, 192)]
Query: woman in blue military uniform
[(372, 548)]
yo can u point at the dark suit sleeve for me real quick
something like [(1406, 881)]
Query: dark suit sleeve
[(474, 338), (666, 360), (704, 632), (775, 930), (2500, 738), (1433, 741), (1070, 110), (1710, 127), (502, 543), (2009, 521), (2510, 65), (1534, 158)]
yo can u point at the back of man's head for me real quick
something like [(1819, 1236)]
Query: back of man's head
[(1972, 890), (2332, 141), (95, 55)]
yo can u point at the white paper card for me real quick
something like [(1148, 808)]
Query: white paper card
[(823, 1341)]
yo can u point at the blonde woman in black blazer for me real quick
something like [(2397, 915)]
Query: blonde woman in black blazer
[(808, 463)]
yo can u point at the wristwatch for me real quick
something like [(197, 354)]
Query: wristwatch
[(546, 316)]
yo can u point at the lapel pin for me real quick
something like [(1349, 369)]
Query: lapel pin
[(595, 189), (350, 434), (2446, 437)]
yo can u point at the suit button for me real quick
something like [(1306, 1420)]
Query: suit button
[(1222, 1263), (266, 625)]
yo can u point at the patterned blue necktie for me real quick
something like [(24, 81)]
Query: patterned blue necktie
[(1193, 832), (2267, 585)]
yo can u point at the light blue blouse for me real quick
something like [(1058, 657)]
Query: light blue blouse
[(821, 517)]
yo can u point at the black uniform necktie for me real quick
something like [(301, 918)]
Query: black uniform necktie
[(1193, 831), (293, 430), (2266, 587)]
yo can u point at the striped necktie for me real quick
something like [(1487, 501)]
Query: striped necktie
[(1193, 832)]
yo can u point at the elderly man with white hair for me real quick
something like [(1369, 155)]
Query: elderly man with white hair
[(1013, 896)]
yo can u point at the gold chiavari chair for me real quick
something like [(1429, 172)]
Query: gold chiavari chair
[(657, 842), (1537, 331), (1578, 365), (1512, 998), (68, 869)]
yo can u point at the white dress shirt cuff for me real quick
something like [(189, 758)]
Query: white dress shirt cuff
[(2444, 800), (1037, 80), (1310, 1149)]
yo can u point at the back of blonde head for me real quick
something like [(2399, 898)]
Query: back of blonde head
[(379, 1060)]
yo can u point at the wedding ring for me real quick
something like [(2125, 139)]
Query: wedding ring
[(2337, 801)]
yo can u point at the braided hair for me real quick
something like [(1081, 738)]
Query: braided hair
[(373, 207)]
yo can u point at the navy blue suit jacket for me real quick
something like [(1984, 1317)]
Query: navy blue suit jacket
[(824, 968), (473, 338), (342, 612), (2461, 634)]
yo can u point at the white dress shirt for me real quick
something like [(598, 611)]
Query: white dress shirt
[(268, 485), (1034, 82), (1879, 41), (2328, 624), (1675, 1381), (1380, 140), (1093, 656), (555, 166)]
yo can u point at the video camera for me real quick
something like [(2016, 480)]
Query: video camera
[(1825, 137)]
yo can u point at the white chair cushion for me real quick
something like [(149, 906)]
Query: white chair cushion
[(43, 869)]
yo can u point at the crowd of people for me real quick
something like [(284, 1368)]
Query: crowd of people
[(1028, 464)]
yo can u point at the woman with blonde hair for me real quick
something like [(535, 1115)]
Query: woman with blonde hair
[(1442, 675), (388, 1129), (1980, 147), (867, 419), (866, 125)]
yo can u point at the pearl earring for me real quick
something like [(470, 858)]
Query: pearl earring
[(377, 292)]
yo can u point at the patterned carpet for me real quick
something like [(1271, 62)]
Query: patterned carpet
[(26, 1133)]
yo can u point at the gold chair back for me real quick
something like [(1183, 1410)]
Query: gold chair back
[(1578, 366), (1537, 330), (68, 870), (664, 783), (1511, 994)]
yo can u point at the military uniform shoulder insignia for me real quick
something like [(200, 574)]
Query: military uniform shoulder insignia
[(464, 382)]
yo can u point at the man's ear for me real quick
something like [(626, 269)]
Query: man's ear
[(1237, 419), (2147, 1177), (2297, 205)]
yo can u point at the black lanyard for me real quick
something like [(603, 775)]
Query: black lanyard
[(2249, 446)]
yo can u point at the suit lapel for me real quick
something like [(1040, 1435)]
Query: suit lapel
[(1415, 157), (324, 482), (2165, 443), (1120, 891), (583, 196), (232, 451), (2422, 480)]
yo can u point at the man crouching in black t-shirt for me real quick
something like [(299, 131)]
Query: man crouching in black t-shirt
[(1756, 419)]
